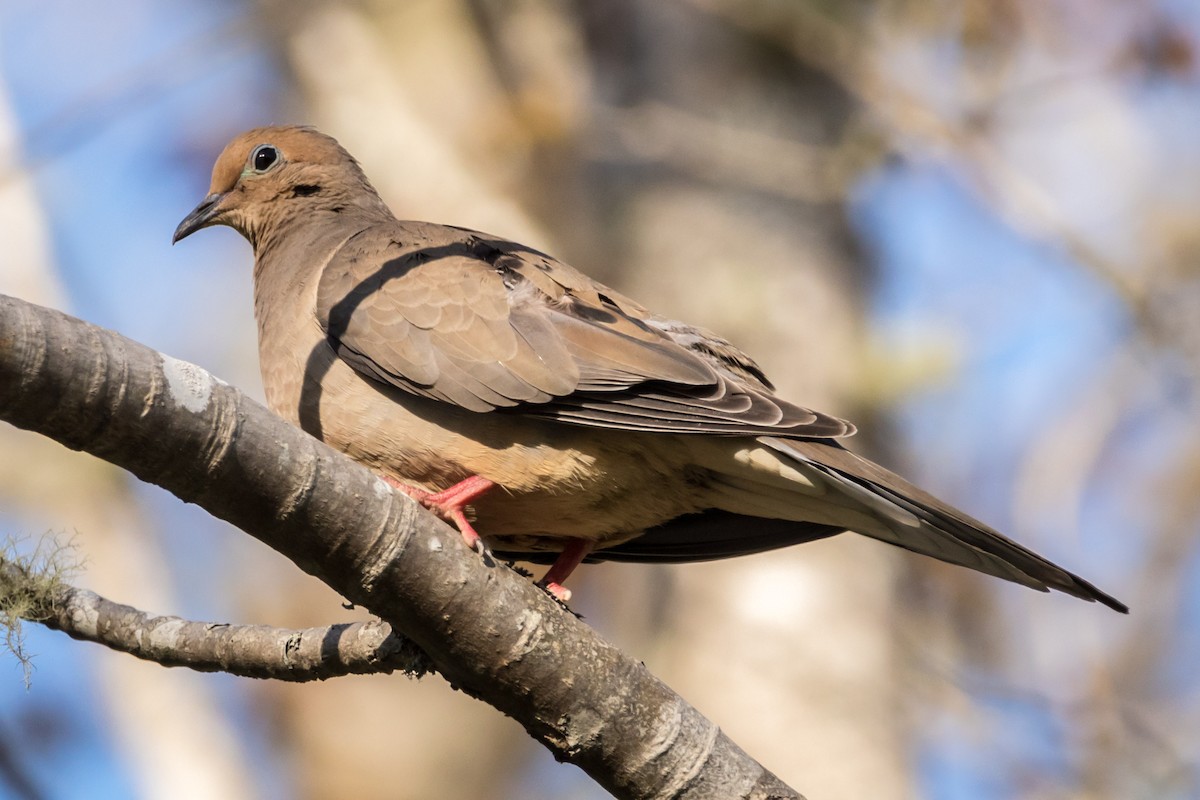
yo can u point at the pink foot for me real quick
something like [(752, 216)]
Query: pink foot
[(450, 504), (570, 558)]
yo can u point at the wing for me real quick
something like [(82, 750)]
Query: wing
[(490, 325)]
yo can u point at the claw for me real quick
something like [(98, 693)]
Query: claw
[(570, 558), (559, 592), (450, 504)]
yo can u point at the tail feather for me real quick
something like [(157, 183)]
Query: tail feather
[(918, 521)]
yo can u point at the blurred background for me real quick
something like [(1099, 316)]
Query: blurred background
[(972, 227)]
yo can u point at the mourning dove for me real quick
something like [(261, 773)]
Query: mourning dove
[(480, 375)]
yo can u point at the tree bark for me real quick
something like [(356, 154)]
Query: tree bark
[(489, 631), (249, 651)]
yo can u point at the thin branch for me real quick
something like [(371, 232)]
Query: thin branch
[(489, 631), (251, 651)]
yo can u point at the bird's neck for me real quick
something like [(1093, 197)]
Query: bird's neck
[(289, 258), (316, 222), (287, 272)]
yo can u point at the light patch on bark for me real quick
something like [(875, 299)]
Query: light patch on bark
[(189, 385)]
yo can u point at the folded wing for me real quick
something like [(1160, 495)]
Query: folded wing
[(489, 325)]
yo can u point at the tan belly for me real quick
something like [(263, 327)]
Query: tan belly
[(554, 481)]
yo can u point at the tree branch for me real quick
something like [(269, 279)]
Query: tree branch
[(251, 651), (489, 631)]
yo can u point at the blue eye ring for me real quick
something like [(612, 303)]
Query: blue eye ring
[(264, 157)]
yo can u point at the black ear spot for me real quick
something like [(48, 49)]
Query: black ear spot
[(305, 189), (264, 157)]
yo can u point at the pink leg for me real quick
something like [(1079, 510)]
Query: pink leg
[(450, 504), (570, 558)]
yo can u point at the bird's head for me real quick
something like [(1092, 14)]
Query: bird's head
[(267, 176)]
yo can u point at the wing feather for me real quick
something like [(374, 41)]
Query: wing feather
[(489, 325)]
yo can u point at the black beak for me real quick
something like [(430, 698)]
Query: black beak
[(202, 216)]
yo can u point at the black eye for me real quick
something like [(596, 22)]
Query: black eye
[(264, 157)]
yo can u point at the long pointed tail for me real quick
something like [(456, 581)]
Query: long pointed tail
[(916, 520)]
